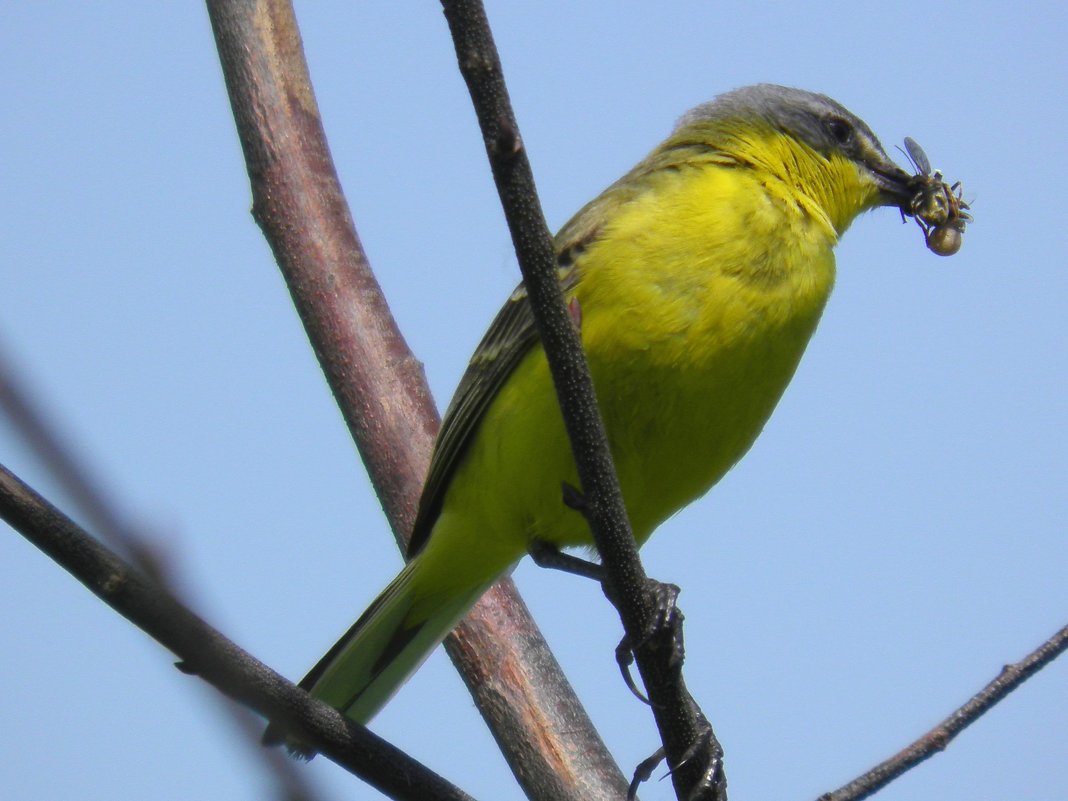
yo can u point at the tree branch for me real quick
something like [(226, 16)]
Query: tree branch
[(208, 654), (678, 719), (938, 738), (538, 722)]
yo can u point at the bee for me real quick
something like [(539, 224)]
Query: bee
[(939, 209)]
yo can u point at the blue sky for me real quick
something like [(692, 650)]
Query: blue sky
[(895, 536)]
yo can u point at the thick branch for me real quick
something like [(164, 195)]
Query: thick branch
[(208, 654), (678, 720), (540, 725), (298, 202)]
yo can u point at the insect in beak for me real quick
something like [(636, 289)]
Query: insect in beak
[(938, 208)]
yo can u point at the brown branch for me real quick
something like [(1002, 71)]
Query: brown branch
[(938, 738), (540, 725), (208, 654), (679, 720), (298, 203)]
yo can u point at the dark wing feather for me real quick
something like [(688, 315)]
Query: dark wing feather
[(507, 341)]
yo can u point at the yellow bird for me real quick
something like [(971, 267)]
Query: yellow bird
[(698, 278)]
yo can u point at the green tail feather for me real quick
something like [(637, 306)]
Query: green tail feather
[(382, 649)]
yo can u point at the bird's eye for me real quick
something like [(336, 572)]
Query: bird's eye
[(840, 130)]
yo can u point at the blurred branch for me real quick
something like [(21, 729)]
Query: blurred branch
[(538, 722), (42, 437), (207, 653), (938, 738), (679, 720), (290, 783), (76, 479)]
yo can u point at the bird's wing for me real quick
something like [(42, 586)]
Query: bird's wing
[(511, 334)]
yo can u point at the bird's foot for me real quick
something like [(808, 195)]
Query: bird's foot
[(705, 751), (664, 626)]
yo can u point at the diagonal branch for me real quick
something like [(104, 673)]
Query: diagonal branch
[(538, 722), (677, 717), (938, 738), (207, 653)]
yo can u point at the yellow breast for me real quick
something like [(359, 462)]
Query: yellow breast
[(697, 300), (697, 303)]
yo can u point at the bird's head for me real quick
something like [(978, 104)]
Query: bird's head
[(812, 143)]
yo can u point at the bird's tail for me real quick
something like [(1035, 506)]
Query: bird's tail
[(389, 642)]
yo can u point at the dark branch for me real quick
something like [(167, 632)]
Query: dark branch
[(207, 653), (938, 738), (677, 717), (535, 716)]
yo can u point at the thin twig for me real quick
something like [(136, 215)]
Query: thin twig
[(938, 738), (535, 716), (207, 653), (677, 717)]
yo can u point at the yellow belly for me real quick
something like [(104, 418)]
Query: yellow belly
[(692, 330)]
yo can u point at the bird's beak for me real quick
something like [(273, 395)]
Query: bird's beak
[(896, 186)]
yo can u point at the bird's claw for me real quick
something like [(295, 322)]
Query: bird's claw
[(664, 623), (643, 772), (711, 784), (625, 658)]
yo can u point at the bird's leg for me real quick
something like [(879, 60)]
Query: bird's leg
[(546, 554), (664, 623), (664, 628)]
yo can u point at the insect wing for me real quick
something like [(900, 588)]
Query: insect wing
[(918, 156)]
